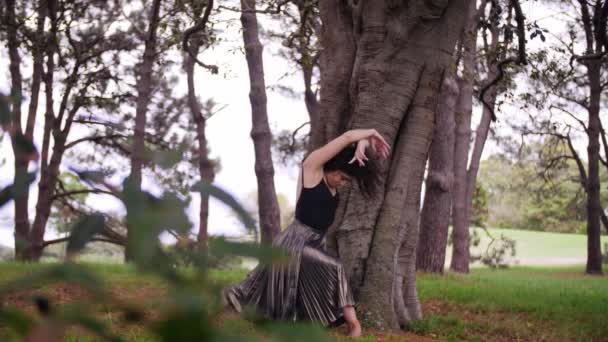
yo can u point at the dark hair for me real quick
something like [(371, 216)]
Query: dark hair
[(364, 175)]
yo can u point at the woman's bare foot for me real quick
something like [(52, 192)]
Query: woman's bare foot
[(354, 329)]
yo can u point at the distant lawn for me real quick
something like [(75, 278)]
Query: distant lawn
[(533, 248), (572, 302), (539, 248), (521, 303)]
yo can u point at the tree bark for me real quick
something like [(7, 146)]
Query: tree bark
[(50, 123), (22, 223), (144, 90), (481, 136), (594, 208), (205, 165), (270, 221), (336, 61), (401, 52), (435, 216), (464, 109)]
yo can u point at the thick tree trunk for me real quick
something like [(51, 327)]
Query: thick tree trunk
[(336, 66), (393, 87), (205, 166), (270, 220), (435, 216), (22, 223), (464, 109), (144, 90), (43, 205), (594, 208)]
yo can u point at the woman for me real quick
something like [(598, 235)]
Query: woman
[(313, 285)]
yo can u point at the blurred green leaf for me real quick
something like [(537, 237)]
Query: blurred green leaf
[(212, 190), (91, 175), (84, 230), (17, 189), (16, 319), (162, 158), (75, 314), (5, 111), (25, 146), (69, 272), (187, 320), (220, 247), (147, 217), (294, 332)]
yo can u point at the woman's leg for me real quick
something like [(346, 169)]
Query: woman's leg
[(354, 327)]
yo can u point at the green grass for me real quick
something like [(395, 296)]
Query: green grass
[(563, 295), (520, 302), (539, 248)]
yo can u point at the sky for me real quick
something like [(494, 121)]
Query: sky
[(227, 132)]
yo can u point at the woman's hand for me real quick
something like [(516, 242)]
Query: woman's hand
[(360, 156), (379, 145), (365, 138)]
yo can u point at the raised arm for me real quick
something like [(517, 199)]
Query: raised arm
[(313, 164)]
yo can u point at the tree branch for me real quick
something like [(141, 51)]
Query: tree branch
[(84, 191), (520, 59), (94, 138), (67, 238), (199, 27)]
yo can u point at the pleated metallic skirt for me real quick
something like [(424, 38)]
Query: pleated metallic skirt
[(312, 286)]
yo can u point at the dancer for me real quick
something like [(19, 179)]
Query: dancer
[(312, 285)]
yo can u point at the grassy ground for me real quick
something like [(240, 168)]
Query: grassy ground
[(522, 303), (539, 248)]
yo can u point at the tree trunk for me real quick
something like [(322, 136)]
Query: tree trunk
[(464, 109), (393, 87), (22, 223), (35, 249), (46, 190), (270, 219), (594, 208), (205, 166), (336, 66), (308, 62), (435, 216), (481, 136), (144, 90)]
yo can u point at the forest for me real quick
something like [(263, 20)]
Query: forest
[(149, 151)]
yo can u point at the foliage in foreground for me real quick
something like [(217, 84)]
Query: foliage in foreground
[(192, 302)]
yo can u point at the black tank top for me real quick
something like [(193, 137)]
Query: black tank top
[(316, 206)]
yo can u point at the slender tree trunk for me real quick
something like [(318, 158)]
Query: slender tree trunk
[(481, 136), (38, 56), (205, 165), (594, 208), (603, 216), (307, 63), (393, 86), (46, 167), (144, 90), (270, 220), (435, 216), (310, 99), (46, 191), (464, 109)]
